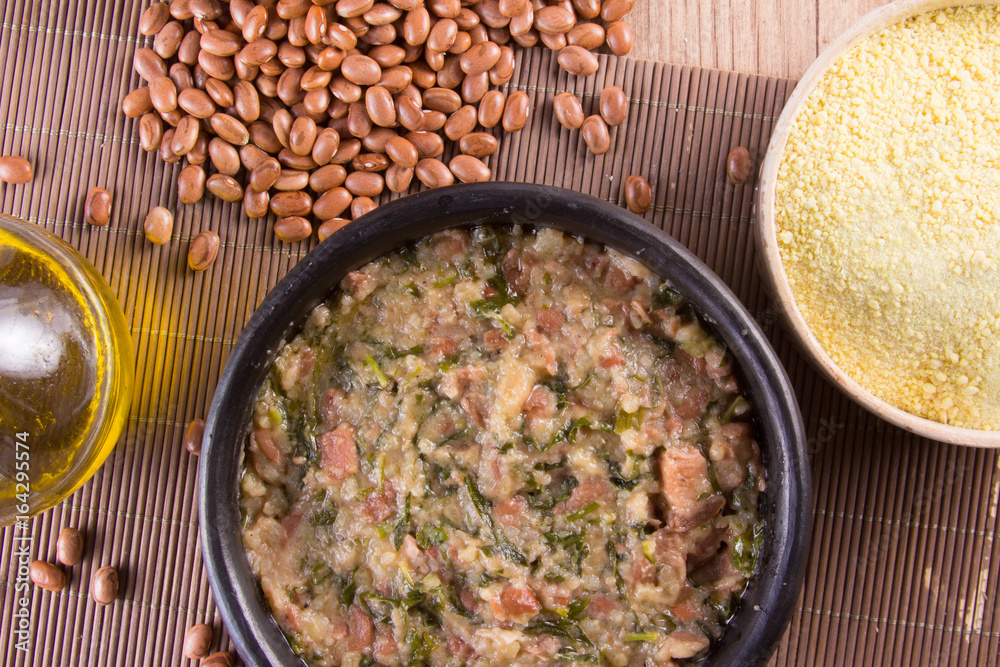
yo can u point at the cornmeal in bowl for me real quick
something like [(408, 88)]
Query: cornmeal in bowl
[(887, 213)]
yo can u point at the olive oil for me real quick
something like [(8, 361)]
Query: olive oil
[(65, 370)]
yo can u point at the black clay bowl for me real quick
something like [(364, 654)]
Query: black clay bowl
[(786, 508)]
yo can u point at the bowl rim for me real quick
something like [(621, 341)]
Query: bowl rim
[(770, 601), (769, 257)]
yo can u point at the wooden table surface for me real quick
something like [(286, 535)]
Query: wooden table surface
[(768, 37)]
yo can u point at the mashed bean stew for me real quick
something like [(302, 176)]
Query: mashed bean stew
[(500, 446)]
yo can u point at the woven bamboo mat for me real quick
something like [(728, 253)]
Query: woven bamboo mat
[(904, 566)]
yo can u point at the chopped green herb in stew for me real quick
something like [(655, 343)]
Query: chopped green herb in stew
[(502, 446)]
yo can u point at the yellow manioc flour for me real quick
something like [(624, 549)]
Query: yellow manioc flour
[(888, 215)]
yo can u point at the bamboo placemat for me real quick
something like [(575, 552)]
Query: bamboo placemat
[(904, 567)]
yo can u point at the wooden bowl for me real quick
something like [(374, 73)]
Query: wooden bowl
[(766, 233)]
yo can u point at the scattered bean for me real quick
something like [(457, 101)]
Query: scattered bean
[(379, 106), (361, 70), (478, 144), (154, 18), (359, 123), (461, 123), (433, 121), (619, 38), (69, 546), (254, 24), (198, 154), (433, 173), (577, 60), (613, 10), (104, 587), (191, 184), (291, 180), (554, 41), (568, 110), (315, 24), (341, 37), (220, 659), (595, 134), (186, 135), (522, 28), (257, 53), (240, 10), (190, 48), (158, 225), (614, 105), (382, 14), (15, 170), (327, 177), (332, 203), (365, 183), (220, 92), (503, 71), (329, 227), (395, 79), (203, 251), (326, 145), (47, 576), (197, 641), (402, 152), (230, 129), (302, 136), (168, 39), (469, 169), (554, 20), (97, 207), (292, 229), (166, 152), (182, 77), (587, 35), (225, 158), (256, 203), (491, 109), (148, 65), (138, 102), (220, 67), (150, 131), (739, 165), (370, 162), (291, 204), (442, 35), (398, 177), (181, 9), (450, 74), (247, 101), (347, 151), (445, 8), (409, 114), (221, 42), (637, 194), (480, 58), (512, 8), (443, 100), (282, 126), (516, 110), (193, 436), (360, 206), (587, 9), (196, 102)]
